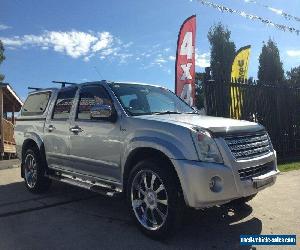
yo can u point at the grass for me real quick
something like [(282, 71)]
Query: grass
[(285, 167)]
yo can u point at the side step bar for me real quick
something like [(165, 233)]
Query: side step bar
[(98, 187)]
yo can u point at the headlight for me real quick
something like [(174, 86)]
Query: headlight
[(207, 148)]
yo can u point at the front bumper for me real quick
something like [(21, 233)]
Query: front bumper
[(195, 178)]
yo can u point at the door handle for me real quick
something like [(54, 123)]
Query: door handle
[(51, 128), (76, 129)]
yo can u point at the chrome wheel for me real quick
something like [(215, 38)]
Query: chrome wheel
[(149, 199), (30, 170)]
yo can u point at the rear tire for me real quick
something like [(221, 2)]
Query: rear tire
[(154, 198), (34, 172)]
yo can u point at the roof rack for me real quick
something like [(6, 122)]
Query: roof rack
[(33, 88), (63, 84)]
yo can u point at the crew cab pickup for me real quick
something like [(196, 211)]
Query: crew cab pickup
[(143, 141)]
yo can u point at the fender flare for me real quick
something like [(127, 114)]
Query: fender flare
[(31, 136), (166, 147), (169, 150)]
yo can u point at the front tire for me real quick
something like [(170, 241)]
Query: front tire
[(155, 199), (34, 172)]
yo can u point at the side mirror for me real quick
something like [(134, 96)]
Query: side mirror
[(103, 112)]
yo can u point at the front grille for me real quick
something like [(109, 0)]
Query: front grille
[(248, 173), (249, 146)]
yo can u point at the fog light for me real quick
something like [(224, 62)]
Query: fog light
[(216, 184)]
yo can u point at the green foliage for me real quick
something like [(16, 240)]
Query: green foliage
[(2, 58), (222, 52), (293, 76), (270, 66), (289, 166)]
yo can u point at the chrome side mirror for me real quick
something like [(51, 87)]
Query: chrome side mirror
[(102, 112)]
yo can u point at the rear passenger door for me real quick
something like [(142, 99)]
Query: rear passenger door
[(95, 147), (56, 131)]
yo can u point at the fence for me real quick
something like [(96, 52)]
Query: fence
[(277, 107)]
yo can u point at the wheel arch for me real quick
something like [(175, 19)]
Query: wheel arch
[(35, 144), (143, 153)]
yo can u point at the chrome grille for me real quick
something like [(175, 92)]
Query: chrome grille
[(248, 173), (249, 146)]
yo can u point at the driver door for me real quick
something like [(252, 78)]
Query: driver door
[(95, 143)]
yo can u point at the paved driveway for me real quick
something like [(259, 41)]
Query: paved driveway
[(71, 218)]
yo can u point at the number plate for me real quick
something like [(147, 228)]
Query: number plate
[(261, 183)]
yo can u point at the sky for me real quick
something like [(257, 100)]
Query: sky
[(127, 40)]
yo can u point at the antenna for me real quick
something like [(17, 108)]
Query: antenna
[(98, 72), (63, 84)]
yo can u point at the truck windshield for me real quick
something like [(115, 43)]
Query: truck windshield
[(138, 99)]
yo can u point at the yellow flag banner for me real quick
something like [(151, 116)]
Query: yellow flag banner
[(239, 70), (239, 73)]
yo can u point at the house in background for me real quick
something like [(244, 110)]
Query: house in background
[(10, 104)]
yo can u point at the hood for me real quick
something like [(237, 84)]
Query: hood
[(218, 126)]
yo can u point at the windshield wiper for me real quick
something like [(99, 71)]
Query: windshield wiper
[(166, 113)]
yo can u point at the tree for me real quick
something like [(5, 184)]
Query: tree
[(2, 57), (293, 76), (222, 52), (270, 66)]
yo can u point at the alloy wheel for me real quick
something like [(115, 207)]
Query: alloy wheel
[(30, 170), (149, 199)]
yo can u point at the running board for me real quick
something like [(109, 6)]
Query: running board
[(97, 187)]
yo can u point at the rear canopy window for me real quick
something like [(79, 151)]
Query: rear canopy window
[(36, 104)]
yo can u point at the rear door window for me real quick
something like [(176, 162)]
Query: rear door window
[(36, 104), (64, 103)]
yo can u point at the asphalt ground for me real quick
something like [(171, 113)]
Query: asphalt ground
[(67, 217)]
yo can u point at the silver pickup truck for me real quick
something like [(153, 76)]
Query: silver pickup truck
[(143, 141)]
